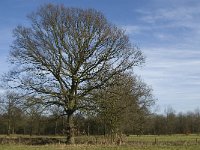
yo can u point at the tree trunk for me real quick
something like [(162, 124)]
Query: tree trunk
[(13, 130), (56, 126), (70, 130), (9, 128), (9, 119), (39, 126), (63, 125), (88, 129), (24, 130)]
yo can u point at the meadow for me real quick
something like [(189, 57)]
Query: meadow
[(150, 142)]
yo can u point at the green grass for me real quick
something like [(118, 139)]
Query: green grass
[(28, 136), (168, 142), (97, 147), (175, 137)]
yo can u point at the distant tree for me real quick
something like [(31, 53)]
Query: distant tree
[(159, 125), (170, 120), (138, 109), (1, 104), (124, 105), (197, 120), (12, 111), (57, 119), (34, 114), (66, 54)]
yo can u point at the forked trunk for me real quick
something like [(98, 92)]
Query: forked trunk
[(70, 130)]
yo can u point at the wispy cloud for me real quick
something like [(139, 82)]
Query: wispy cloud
[(174, 75), (170, 38), (178, 25), (168, 15)]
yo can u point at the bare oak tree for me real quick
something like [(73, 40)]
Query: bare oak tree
[(10, 105), (67, 53)]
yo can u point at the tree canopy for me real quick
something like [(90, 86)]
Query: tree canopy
[(66, 54)]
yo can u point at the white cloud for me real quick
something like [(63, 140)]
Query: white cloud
[(178, 25), (176, 14), (174, 75)]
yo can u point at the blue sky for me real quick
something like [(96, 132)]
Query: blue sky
[(167, 31)]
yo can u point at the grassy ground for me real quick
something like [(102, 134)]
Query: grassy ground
[(164, 139), (97, 147), (171, 142), (177, 137)]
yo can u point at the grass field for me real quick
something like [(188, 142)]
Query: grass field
[(171, 142), (97, 147), (187, 139)]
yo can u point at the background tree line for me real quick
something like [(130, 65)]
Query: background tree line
[(174, 123), (14, 120), (119, 108)]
